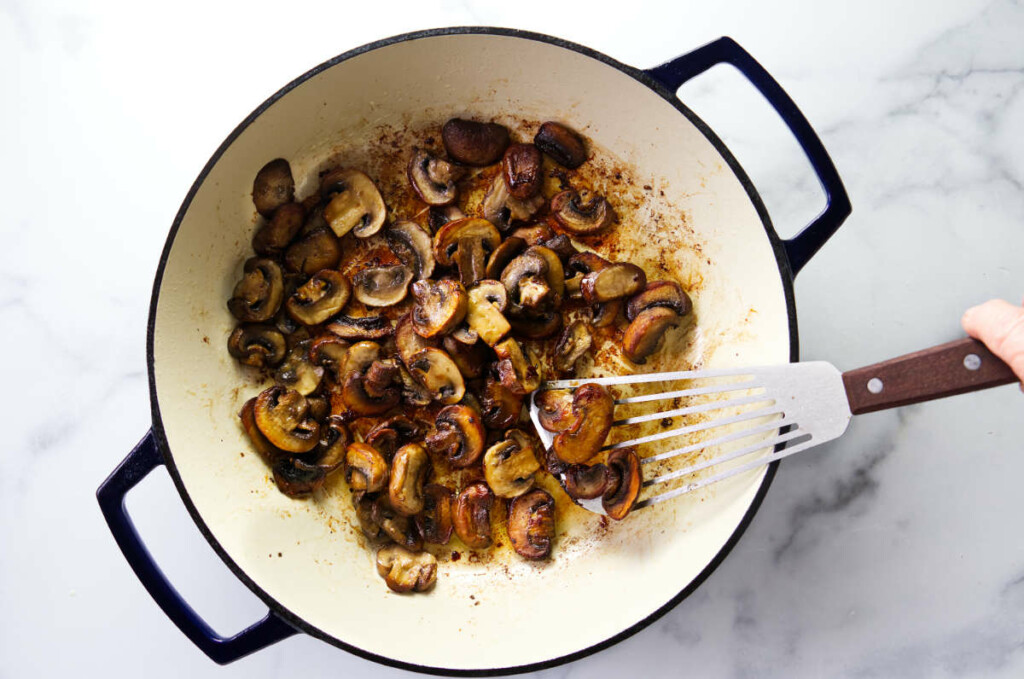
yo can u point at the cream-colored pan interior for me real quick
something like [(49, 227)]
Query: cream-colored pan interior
[(306, 555)]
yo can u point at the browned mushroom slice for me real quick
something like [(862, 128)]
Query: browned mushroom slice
[(554, 409), (274, 236), (354, 203), (399, 528), (382, 286), (330, 452), (436, 371), (298, 372), (464, 335), (408, 340), (282, 415), (562, 246), (381, 377), (365, 468), (433, 179), (536, 325), (329, 353), (474, 143), (257, 345), (296, 478), (440, 306), (439, 216), (515, 372), (487, 300), (502, 255), (534, 281), (586, 262), (574, 342), (615, 281), (322, 296), (391, 434), (509, 465), (531, 524), (606, 314), (270, 453), (364, 505), (362, 328), (619, 500), (645, 332), (459, 436), (667, 294), (572, 286), (360, 360), (471, 515), (592, 408), (404, 571), (500, 208), (409, 470), (319, 408), (448, 237), (273, 186), (563, 145), (413, 393), (533, 235), (469, 358), (501, 407), (316, 250), (586, 482), (413, 246), (259, 293), (581, 218), (435, 521), (521, 166)]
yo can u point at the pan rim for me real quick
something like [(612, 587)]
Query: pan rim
[(778, 248)]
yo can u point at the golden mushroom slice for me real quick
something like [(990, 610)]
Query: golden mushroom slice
[(618, 501), (433, 178), (668, 294), (466, 243), (585, 482), (565, 146), (509, 465), (298, 372), (400, 528), (592, 411), (614, 281), (500, 406), (435, 521), (313, 251), (646, 331), (572, 345), (354, 203), (282, 416), (413, 246), (257, 345), (258, 295), (487, 300), (370, 385), (319, 298), (531, 524), (365, 468), (273, 186), (471, 515), (382, 286), (459, 435), (440, 306), (406, 571), (579, 217), (270, 453), (515, 373), (439, 374), (409, 470)]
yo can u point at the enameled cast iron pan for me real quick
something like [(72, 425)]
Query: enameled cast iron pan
[(481, 618)]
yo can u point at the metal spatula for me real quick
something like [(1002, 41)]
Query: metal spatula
[(782, 409)]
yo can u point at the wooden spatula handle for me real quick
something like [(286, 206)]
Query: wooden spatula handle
[(946, 370)]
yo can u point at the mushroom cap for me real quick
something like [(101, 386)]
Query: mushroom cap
[(409, 470), (554, 409), (509, 466), (273, 186), (501, 407), (531, 524), (382, 286), (521, 167), (563, 145), (459, 435), (536, 325), (435, 521), (446, 240), (615, 281), (257, 345), (365, 468), (592, 409), (440, 306), (619, 500), (398, 527), (574, 342), (515, 372), (329, 352), (404, 571), (432, 178), (356, 205), (586, 482), (282, 416), (436, 371), (408, 341), (361, 328), (322, 296), (645, 332), (413, 246), (474, 143), (313, 251), (277, 232), (270, 453), (471, 515), (298, 372), (257, 296), (577, 217), (296, 478)]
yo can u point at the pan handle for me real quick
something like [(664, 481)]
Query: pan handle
[(111, 495), (799, 249)]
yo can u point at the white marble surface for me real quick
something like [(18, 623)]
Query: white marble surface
[(896, 551)]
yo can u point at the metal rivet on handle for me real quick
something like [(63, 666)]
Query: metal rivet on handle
[(875, 385), (972, 361)]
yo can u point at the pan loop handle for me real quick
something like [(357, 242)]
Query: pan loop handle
[(802, 247), (111, 495)]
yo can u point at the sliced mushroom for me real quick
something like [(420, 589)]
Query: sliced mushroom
[(563, 145), (625, 465), (586, 262), (464, 335), (413, 246), (435, 521), (615, 281), (364, 513), (554, 409), (404, 571), (257, 345), (436, 371), (667, 294), (282, 415), (521, 166), (274, 236), (257, 297), (471, 260), (534, 280), (574, 342), (354, 203), (500, 406), (409, 470), (365, 468), (645, 332), (298, 372), (533, 235), (331, 451), (586, 482), (273, 186), (322, 296), (439, 216), (319, 407), (562, 246), (296, 478), (604, 315), (487, 299), (408, 340), (459, 436), (509, 465), (361, 328), (471, 515), (501, 209), (531, 524), (448, 238), (391, 434), (440, 306), (474, 143), (329, 353), (515, 372), (470, 358), (433, 179), (592, 408), (536, 325), (381, 286), (381, 377), (413, 393), (399, 528), (319, 249), (360, 360), (582, 219), (270, 453), (502, 255)]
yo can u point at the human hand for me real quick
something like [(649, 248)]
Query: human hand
[(1000, 325)]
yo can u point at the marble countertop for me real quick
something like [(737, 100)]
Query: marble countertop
[(895, 551)]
